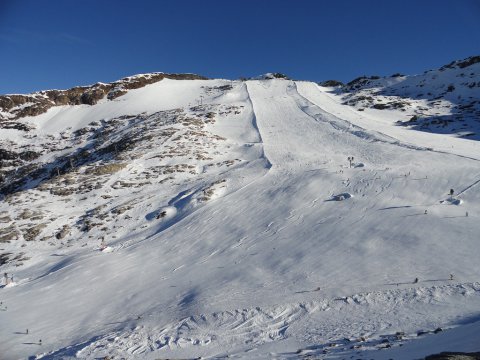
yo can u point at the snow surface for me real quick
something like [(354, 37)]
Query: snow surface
[(253, 260)]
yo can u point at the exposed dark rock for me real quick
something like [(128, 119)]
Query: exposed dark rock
[(28, 155), (8, 257), (15, 126), (279, 76), (7, 155), (31, 233), (8, 234), (454, 356), (462, 63), (331, 83), (380, 106), (63, 232), (4, 258), (81, 131), (361, 80)]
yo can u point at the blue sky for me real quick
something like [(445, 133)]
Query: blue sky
[(62, 43)]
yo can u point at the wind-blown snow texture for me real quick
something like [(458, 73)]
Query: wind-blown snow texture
[(233, 225)]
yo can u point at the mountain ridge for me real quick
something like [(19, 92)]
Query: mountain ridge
[(15, 106)]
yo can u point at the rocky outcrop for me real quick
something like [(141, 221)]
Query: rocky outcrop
[(462, 63), (331, 83), (454, 356), (14, 107), (24, 155)]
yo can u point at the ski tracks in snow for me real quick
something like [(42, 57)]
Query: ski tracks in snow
[(306, 105), (332, 323), (372, 135)]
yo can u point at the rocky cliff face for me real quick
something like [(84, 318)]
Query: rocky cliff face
[(14, 107)]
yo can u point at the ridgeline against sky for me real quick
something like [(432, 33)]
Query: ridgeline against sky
[(60, 44)]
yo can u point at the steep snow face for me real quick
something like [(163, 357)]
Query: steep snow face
[(254, 219)]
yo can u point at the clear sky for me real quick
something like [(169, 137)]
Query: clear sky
[(62, 43)]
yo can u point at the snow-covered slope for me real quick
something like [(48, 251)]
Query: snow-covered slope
[(218, 218), (441, 101)]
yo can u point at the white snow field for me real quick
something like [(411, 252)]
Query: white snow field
[(259, 242)]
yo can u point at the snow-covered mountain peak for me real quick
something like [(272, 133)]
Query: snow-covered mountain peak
[(257, 219)]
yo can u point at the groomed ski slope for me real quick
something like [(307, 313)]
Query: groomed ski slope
[(274, 265)]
